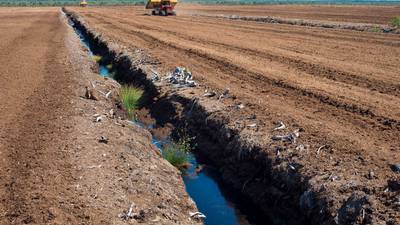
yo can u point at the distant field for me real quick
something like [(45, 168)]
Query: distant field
[(136, 2), (66, 2)]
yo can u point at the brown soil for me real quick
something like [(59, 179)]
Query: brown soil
[(340, 88), (53, 168), (333, 13)]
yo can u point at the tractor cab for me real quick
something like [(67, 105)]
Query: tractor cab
[(83, 3)]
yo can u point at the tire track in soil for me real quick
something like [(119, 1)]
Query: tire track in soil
[(310, 68), (389, 40)]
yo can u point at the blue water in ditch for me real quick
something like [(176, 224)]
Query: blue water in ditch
[(203, 187)]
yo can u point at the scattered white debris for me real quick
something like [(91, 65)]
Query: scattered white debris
[(108, 94), (210, 94), (252, 125), (99, 119), (129, 214), (300, 147), (182, 77), (224, 94), (320, 148), (103, 140), (292, 167), (280, 126), (93, 167), (292, 137), (197, 215), (155, 76), (112, 113), (240, 106), (333, 177)]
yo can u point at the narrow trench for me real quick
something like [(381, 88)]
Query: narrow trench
[(220, 203)]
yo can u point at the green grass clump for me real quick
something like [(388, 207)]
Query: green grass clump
[(395, 22), (130, 98), (178, 153), (97, 58), (175, 154)]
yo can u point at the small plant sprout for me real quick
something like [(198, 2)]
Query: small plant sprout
[(131, 98), (395, 22)]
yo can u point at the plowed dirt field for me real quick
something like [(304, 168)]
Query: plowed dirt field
[(341, 87)]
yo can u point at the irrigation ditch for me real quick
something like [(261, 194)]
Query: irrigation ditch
[(238, 184)]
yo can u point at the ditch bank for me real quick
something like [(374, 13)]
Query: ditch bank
[(118, 176), (264, 175)]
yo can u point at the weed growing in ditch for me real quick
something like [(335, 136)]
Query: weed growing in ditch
[(395, 22), (130, 98), (97, 58), (178, 153)]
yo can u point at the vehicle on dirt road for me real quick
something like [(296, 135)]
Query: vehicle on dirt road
[(162, 7), (83, 3)]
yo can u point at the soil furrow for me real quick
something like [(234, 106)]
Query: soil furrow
[(227, 66), (310, 68)]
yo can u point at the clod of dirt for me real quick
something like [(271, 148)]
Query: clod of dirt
[(292, 137), (353, 210), (210, 94), (225, 94), (307, 202), (394, 185), (103, 140), (89, 94), (371, 175), (396, 167)]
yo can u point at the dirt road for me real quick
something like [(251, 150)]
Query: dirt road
[(53, 168), (340, 88)]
